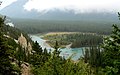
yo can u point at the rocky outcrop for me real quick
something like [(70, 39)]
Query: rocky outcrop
[(22, 41), (25, 45), (26, 70), (69, 46), (29, 48)]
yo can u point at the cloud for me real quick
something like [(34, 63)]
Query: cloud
[(5, 3), (78, 6)]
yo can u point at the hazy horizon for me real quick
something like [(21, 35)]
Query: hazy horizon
[(76, 6)]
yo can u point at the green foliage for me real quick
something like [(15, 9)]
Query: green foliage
[(14, 32), (56, 65), (41, 26), (6, 67), (39, 56), (110, 71), (105, 59), (77, 39), (111, 53), (93, 56), (36, 47)]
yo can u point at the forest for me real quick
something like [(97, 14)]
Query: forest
[(97, 60), (44, 26), (77, 39)]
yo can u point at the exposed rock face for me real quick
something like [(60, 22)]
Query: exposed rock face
[(25, 69), (22, 41), (29, 48), (69, 46)]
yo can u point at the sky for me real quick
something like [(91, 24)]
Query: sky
[(6, 3), (77, 6)]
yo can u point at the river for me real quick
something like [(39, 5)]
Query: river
[(76, 53)]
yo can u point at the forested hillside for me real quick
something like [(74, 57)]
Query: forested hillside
[(41, 26), (11, 49)]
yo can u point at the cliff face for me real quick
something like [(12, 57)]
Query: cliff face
[(26, 69), (29, 47), (25, 44), (22, 41)]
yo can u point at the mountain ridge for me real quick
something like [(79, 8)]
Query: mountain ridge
[(16, 10)]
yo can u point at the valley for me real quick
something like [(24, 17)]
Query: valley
[(65, 52), (59, 37), (70, 43), (53, 50)]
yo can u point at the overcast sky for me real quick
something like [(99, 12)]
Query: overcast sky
[(6, 3), (77, 6)]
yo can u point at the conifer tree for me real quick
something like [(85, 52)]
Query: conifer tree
[(111, 53), (5, 64), (37, 48)]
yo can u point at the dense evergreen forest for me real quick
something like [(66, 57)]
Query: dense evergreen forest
[(76, 39), (41, 26)]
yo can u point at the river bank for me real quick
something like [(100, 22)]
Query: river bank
[(76, 53), (78, 39)]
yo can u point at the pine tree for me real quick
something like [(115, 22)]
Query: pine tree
[(37, 48), (111, 53), (5, 64)]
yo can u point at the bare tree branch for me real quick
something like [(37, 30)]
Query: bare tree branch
[(119, 15), (0, 2)]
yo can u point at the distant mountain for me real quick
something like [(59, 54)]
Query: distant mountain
[(16, 10)]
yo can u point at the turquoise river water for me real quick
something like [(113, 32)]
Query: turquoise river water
[(74, 53)]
